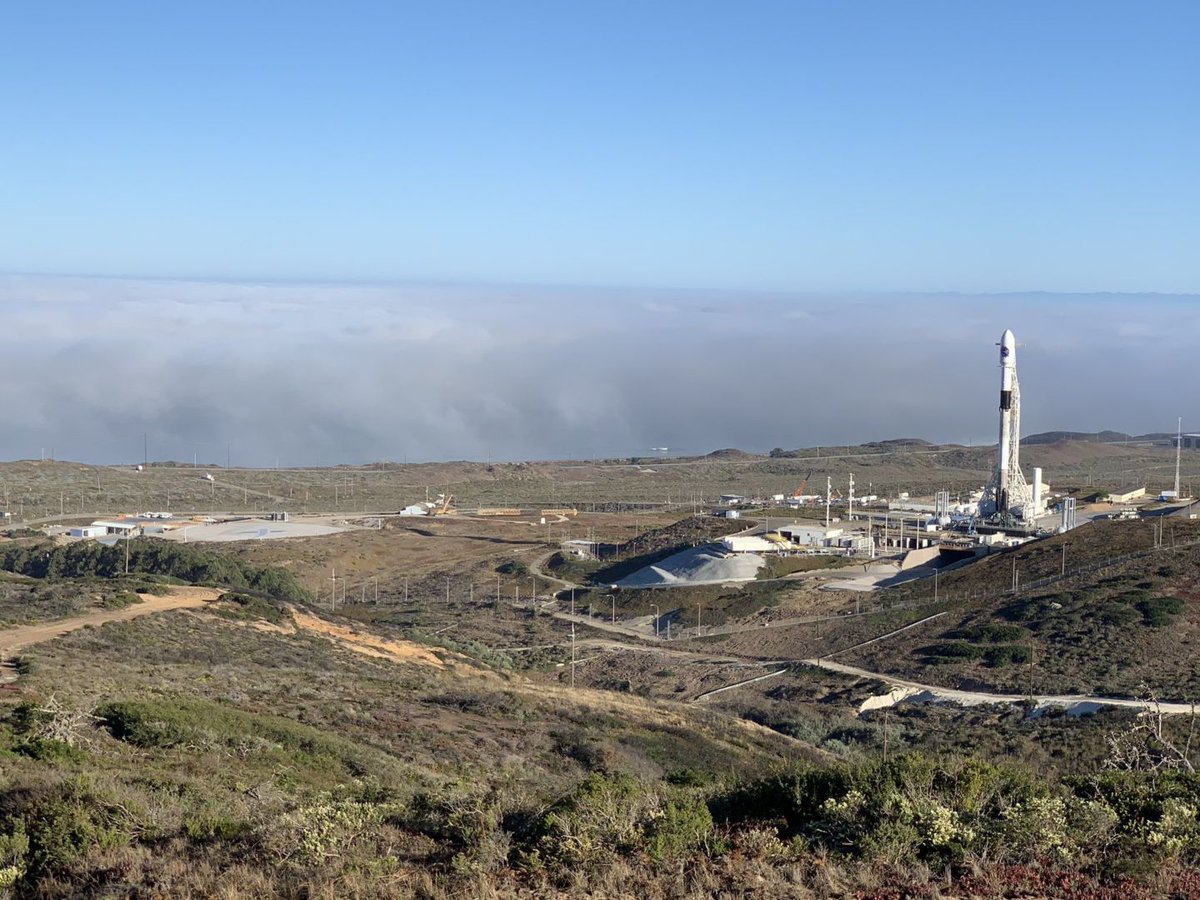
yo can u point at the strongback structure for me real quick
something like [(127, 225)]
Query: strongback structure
[(1007, 495)]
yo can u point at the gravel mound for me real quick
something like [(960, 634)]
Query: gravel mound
[(698, 565)]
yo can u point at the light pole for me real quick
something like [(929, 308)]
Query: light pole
[(656, 620), (613, 598)]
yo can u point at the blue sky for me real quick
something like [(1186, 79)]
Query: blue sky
[(872, 146)]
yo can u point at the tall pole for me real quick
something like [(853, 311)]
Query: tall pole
[(828, 498), (572, 656), (1064, 560), (1178, 449)]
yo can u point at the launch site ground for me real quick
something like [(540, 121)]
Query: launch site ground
[(428, 648)]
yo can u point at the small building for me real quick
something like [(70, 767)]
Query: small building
[(1126, 494), (810, 536), (748, 543), (732, 499), (123, 529), (1191, 442), (87, 531)]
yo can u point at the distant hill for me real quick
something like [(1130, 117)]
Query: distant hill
[(1101, 437), (730, 453)]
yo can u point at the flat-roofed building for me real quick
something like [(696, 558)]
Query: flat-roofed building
[(1126, 494)]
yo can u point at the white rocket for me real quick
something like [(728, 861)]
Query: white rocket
[(1010, 438), (1007, 493)]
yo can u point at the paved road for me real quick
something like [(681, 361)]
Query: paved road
[(904, 689)]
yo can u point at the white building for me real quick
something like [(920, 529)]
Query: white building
[(748, 543), (809, 535), (124, 529)]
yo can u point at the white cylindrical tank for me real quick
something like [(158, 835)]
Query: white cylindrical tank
[(1037, 491)]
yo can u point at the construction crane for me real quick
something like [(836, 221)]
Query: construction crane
[(442, 505), (799, 492)]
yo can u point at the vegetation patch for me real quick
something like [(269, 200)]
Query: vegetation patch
[(85, 559)]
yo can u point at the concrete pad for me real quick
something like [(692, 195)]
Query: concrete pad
[(248, 530)]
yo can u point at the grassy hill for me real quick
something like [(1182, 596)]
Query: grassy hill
[(1124, 620)]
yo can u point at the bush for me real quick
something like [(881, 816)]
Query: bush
[(247, 608), (990, 634), (614, 814), (683, 824), (1004, 654), (148, 557), (1158, 612), (951, 651)]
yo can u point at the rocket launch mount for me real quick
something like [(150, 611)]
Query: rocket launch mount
[(1007, 497)]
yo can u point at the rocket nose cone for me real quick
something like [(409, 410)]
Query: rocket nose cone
[(1008, 347)]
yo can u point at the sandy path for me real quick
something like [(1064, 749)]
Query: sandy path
[(14, 639), (367, 643)]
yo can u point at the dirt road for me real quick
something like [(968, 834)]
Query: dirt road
[(15, 639)]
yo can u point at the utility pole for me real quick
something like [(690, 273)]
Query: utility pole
[(572, 656), (1063, 570), (333, 589), (406, 590), (1178, 451), (1031, 652), (828, 497)]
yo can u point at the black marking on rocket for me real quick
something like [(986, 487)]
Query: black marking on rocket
[(1005, 400)]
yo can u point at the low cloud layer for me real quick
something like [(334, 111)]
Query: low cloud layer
[(304, 373)]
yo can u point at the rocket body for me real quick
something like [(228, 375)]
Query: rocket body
[(1008, 376)]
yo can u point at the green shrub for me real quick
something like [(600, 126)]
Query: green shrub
[(683, 824), (990, 634), (1004, 654), (949, 651), (149, 557), (247, 608), (1158, 612)]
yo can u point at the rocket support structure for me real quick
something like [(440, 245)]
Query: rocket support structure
[(1007, 495)]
